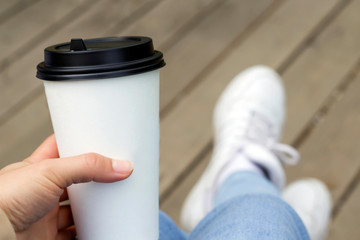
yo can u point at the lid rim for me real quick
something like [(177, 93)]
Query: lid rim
[(99, 75)]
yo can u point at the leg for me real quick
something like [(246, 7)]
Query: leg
[(248, 206), (244, 183), (168, 229)]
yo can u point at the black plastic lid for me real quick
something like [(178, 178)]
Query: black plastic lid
[(99, 58)]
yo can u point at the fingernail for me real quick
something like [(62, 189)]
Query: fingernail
[(122, 166)]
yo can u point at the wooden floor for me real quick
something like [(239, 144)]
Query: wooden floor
[(313, 44)]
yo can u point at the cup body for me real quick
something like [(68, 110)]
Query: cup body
[(119, 118)]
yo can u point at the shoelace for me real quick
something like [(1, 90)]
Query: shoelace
[(286, 154)]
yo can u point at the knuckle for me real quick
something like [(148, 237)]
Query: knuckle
[(92, 160), (44, 169)]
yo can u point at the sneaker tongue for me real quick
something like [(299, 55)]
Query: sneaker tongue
[(265, 158)]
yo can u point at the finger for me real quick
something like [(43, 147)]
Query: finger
[(65, 218), (67, 234), (64, 196), (85, 168), (48, 149)]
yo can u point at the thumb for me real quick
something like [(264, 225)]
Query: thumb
[(85, 168)]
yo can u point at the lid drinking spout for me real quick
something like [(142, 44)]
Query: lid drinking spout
[(77, 44)]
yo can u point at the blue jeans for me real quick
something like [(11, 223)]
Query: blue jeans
[(247, 206)]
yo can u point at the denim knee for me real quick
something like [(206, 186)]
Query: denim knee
[(253, 216)]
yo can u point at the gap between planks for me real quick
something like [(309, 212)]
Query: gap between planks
[(345, 226), (349, 191)]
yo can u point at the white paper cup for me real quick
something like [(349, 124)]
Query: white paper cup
[(117, 117)]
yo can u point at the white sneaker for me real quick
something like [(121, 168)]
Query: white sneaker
[(311, 200), (248, 118)]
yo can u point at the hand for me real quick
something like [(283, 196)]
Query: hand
[(30, 191)]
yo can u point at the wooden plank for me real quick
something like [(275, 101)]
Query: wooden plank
[(30, 22), (345, 225), (182, 136), (320, 68)]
